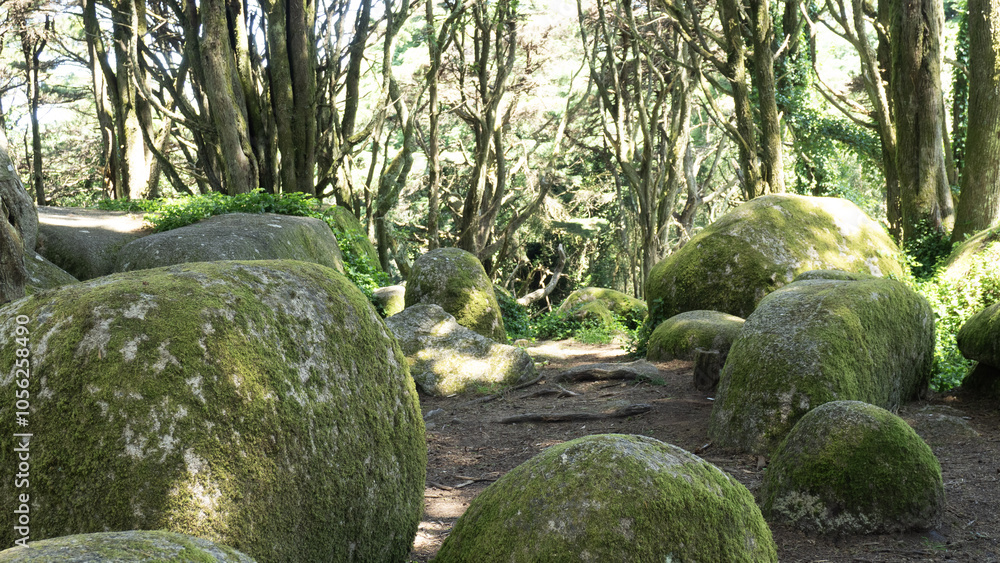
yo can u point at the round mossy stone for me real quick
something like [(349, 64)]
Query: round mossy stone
[(456, 281), (678, 337), (760, 246), (629, 308), (982, 249), (816, 341), (235, 236), (611, 498), (853, 468), (133, 547), (43, 274), (391, 298), (262, 405)]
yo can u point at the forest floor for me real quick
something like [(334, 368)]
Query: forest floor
[(468, 449)]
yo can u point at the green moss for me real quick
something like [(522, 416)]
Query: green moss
[(457, 281), (679, 336), (346, 225), (817, 341), (733, 263), (853, 468), (134, 546), (611, 498), (213, 399)]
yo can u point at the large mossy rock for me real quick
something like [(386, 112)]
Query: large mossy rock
[(456, 280), (85, 242), (816, 341), (611, 498), (236, 236), (354, 234), (849, 467), (262, 405), (446, 358), (979, 340), (132, 547), (678, 337), (760, 246), (579, 304)]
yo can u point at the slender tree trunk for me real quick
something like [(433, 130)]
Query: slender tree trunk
[(32, 45), (226, 101), (916, 36), (979, 206), (772, 168), (753, 182)]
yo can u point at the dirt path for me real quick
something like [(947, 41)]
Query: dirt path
[(468, 449)]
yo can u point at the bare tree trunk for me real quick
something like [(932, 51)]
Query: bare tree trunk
[(979, 206)]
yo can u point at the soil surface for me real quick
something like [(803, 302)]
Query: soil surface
[(468, 449)]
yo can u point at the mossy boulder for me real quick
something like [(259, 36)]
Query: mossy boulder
[(43, 274), (848, 467), (456, 280), (762, 245), (236, 236), (354, 233), (979, 337), (611, 498), (85, 242), (629, 308), (134, 546), (392, 299), (816, 341), (678, 337), (446, 358), (262, 405), (971, 255)]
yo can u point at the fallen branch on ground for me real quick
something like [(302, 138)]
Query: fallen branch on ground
[(637, 370), (631, 410)]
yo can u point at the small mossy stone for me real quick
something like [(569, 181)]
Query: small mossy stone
[(392, 299), (762, 245), (446, 358), (456, 281), (236, 236), (848, 467), (816, 341), (132, 547), (623, 305), (678, 337), (263, 405), (611, 498)]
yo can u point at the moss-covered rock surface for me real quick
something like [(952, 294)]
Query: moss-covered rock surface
[(43, 274), (853, 468), (391, 298), (456, 280), (132, 547), (760, 246), (833, 275), (678, 337), (816, 341), (625, 306), (263, 405), (979, 338), (611, 498), (354, 233), (446, 358), (236, 236)]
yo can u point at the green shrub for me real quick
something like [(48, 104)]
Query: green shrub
[(926, 250), (516, 319)]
